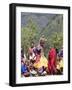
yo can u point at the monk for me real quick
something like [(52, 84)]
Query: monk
[(52, 61)]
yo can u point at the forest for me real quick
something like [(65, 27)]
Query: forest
[(33, 26)]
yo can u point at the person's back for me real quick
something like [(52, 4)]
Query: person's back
[(52, 61), (52, 53)]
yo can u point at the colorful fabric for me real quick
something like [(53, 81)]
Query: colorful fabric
[(42, 62), (52, 60), (24, 69), (60, 64)]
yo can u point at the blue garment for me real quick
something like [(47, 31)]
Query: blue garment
[(24, 69)]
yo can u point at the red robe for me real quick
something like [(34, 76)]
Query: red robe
[(52, 61)]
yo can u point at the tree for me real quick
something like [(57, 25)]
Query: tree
[(29, 34), (56, 40)]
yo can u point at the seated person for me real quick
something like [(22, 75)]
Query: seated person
[(32, 57), (33, 72), (24, 69), (42, 71), (31, 53), (60, 61), (41, 60), (59, 66)]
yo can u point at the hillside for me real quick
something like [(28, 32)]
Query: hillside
[(34, 25)]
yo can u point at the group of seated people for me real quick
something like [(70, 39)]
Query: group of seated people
[(40, 66), (36, 64), (27, 69)]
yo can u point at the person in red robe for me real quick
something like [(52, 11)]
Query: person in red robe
[(52, 61)]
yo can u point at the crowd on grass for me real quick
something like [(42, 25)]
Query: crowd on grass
[(36, 64)]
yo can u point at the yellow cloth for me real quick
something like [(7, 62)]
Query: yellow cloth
[(43, 62), (60, 64)]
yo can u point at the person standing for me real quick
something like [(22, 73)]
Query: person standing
[(52, 61)]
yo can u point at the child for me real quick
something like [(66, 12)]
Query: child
[(41, 71), (32, 70), (24, 69), (60, 64)]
